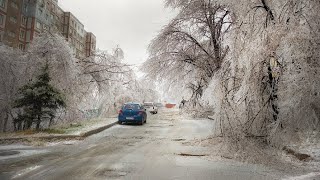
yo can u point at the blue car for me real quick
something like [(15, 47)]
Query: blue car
[(132, 113)]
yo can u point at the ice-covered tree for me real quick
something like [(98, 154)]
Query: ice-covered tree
[(265, 83), (11, 79), (89, 83), (39, 101), (190, 50)]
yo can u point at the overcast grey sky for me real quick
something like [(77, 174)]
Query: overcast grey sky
[(130, 23)]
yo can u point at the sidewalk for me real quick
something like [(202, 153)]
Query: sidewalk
[(73, 131)]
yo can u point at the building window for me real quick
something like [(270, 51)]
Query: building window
[(13, 19), (65, 30), (25, 8), (12, 34), (2, 3), (22, 34), (1, 36), (1, 19), (38, 25), (14, 5), (24, 20), (21, 46)]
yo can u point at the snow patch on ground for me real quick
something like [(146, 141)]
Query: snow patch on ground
[(13, 146), (70, 142), (25, 171), (310, 176)]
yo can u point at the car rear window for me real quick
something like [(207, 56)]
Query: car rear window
[(132, 106), (148, 104)]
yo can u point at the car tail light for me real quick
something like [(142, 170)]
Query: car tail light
[(140, 112), (120, 111)]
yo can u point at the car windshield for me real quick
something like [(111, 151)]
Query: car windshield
[(132, 106), (148, 104)]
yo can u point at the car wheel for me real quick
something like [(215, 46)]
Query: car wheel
[(119, 122), (141, 123)]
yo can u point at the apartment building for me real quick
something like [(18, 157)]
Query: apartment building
[(36, 18), (3, 16), (22, 20), (90, 44), (10, 22), (74, 32)]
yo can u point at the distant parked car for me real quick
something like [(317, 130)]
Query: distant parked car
[(169, 105), (132, 113), (151, 107)]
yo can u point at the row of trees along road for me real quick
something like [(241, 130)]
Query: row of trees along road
[(254, 64), (45, 85)]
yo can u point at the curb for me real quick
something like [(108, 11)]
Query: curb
[(58, 137), (95, 131)]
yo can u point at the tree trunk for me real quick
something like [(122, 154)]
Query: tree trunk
[(38, 122), (28, 123), (51, 121), (5, 122), (19, 125)]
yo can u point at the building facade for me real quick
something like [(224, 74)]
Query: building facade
[(10, 22), (22, 20), (73, 31), (3, 16), (90, 44)]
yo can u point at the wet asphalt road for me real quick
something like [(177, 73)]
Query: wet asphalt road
[(134, 152)]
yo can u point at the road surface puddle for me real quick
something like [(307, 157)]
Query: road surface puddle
[(192, 155), (110, 173), (8, 153), (178, 139), (137, 137), (156, 126)]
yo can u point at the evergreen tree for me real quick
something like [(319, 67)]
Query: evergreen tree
[(39, 101)]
